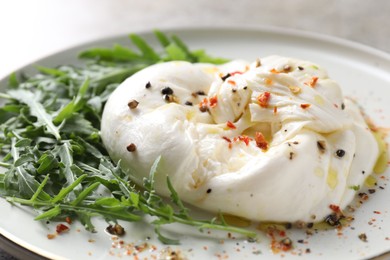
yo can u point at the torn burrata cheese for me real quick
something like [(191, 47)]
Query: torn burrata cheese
[(273, 140)]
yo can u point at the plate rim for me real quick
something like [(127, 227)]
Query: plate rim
[(351, 44), (13, 242)]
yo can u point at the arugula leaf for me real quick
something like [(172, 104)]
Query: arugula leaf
[(146, 50), (13, 81), (74, 106), (118, 54), (162, 38), (51, 71), (36, 109), (175, 52)]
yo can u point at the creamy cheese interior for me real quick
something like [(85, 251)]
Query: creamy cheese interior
[(273, 140)]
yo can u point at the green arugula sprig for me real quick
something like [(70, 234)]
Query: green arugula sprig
[(52, 152)]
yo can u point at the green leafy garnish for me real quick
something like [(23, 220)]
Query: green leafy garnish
[(51, 147), (355, 187)]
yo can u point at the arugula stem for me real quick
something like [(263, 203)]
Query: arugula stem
[(101, 212), (5, 165), (200, 224), (5, 96)]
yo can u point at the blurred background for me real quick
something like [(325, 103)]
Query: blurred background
[(31, 29)]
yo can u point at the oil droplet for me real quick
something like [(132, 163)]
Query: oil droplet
[(382, 161), (370, 181), (266, 226), (236, 221), (332, 179)]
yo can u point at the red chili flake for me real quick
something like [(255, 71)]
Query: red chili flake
[(230, 125), (377, 212), (243, 138), (235, 72), (232, 82), (144, 246), (283, 245), (203, 105), (263, 99), (213, 101), (304, 106), (334, 208), (275, 110), (260, 141), (274, 71), (60, 228), (312, 83), (227, 139), (68, 220)]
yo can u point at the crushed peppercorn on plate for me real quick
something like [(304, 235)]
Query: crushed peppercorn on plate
[(271, 140)]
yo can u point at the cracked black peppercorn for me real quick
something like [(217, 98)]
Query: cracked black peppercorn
[(321, 146), (131, 147), (225, 77), (340, 153), (333, 220), (133, 104), (167, 91), (116, 229)]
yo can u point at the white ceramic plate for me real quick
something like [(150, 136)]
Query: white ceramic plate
[(363, 73)]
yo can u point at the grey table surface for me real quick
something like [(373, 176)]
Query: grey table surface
[(31, 29)]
